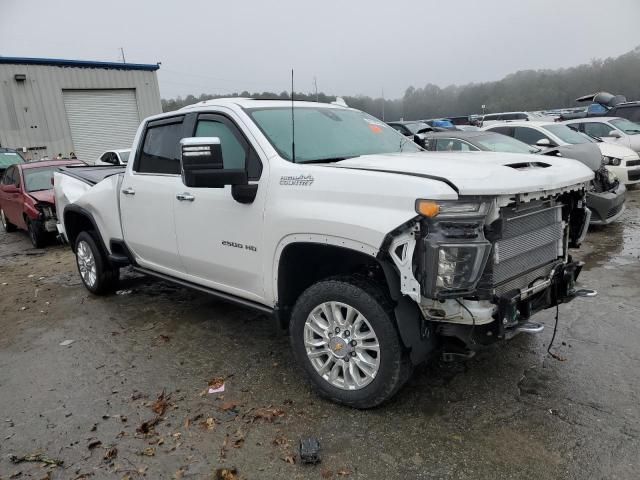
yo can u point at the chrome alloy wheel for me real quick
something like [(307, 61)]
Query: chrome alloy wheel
[(86, 263), (342, 346)]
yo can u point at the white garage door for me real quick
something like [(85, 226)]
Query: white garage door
[(101, 120)]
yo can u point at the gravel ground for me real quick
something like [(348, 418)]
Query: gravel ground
[(127, 397)]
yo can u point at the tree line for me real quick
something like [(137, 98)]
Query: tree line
[(523, 90)]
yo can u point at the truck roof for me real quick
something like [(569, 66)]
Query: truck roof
[(245, 102)]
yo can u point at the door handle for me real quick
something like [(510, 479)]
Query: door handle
[(185, 197), (128, 191)]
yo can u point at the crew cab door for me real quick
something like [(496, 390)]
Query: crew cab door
[(220, 239), (12, 201), (147, 196)]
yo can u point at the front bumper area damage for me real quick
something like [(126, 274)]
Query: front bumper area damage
[(480, 277)]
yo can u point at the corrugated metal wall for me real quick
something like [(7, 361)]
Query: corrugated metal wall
[(32, 112)]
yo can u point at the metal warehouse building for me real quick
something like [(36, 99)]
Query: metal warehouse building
[(52, 106)]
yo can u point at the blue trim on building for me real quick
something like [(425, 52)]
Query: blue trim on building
[(59, 62)]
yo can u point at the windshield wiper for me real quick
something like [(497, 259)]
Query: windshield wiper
[(330, 159)]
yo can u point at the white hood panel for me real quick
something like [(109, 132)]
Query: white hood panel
[(481, 173)]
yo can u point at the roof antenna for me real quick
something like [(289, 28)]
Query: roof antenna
[(293, 124)]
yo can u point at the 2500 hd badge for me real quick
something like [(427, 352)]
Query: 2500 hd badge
[(227, 243)]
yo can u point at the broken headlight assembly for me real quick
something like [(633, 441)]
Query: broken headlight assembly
[(454, 250), (46, 210)]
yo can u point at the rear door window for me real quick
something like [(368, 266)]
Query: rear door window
[(160, 153), (503, 130)]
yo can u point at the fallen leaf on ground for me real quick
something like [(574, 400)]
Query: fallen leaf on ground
[(223, 449), (228, 406), (280, 441), (209, 423), (324, 473), (147, 427), (36, 457), (290, 459), (148, 452), (226, 474), (94, 444), (343, 472), (164, 338), (161, 404), (267, 414), (111, 453), (216, 382)]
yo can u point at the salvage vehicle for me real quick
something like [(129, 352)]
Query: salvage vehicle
[(607, 196), (614, 130), (27, 201), (374, 254), (8, 157), (606, 104), (114, 157), (475, 141), (492, 118)]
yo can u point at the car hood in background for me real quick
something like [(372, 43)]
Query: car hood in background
[(587, 153), (45, 196), (480, 173), (617, 151)]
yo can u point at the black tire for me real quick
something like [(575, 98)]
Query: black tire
[(7, 226), (37, 234), (106, 276), (370, 300)]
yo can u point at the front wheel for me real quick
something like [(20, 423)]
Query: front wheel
[(343, 334), (97, 274), (37, 234)]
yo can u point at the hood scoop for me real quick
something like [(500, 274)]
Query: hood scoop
[(527, 165)]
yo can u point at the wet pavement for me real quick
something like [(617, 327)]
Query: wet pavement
[(127, 397)]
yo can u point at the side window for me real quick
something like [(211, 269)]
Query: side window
[(105, 158), (528, 135), (503, 130), (453, 145), (631, 113), (161, 147), (234, 154), (237, 153), (7, 179), (597, 129)]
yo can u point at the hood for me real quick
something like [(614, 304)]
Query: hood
[(44, 196), (480, 173), (587, 153), (617, 151)]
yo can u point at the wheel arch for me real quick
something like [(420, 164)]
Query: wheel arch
[(76, 219), (302, 260)]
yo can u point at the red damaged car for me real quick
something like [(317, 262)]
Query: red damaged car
[(26, 199)]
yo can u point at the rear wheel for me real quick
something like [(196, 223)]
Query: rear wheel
[(6, 224), (97, 274), (343, 335), (37, 234)]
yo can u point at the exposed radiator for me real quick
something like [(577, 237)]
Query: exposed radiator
[(530, 240)]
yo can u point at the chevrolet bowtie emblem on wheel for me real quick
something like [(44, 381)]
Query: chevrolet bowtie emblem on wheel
[(338, 347)]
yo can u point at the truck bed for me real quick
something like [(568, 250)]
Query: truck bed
[(92, 174)]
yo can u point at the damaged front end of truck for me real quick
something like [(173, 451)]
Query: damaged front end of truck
[(479, 268)]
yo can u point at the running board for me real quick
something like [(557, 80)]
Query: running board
[(227, 297)]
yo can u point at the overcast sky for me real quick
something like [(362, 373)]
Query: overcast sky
[(350, 46)]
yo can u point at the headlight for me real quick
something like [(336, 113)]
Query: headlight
[(459, 266), (615, 162), (431, 208)]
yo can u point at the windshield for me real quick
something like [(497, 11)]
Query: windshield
[(9, 158), (627, 126), (36, 179), (124, 156), (328, 134), (568, 135), (503, 143)]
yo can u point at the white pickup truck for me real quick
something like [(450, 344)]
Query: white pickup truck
[(373, 254)]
